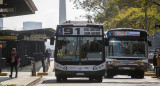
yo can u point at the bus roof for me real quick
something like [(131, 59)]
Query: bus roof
[(79, 23)]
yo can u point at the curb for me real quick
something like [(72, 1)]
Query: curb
[(154, 76), (34, 82), (40, 74), (28, 81), (3, 74), (149, 74)]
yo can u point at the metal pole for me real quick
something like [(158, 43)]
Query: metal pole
[(145, 15), (34, 68)]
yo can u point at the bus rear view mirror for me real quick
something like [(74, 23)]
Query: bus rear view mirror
[(149, 43), (51, 40), (106, 41)]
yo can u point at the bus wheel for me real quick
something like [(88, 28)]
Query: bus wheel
[(109, 74), (133, 76), (64, 78), (99, 79), (59, 79), (140, 74), (91, 78)]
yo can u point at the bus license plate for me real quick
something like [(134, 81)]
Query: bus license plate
[(79, 73), (126, 68)]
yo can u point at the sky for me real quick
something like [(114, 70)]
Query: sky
[(48, 14)]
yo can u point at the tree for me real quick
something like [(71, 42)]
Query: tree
[(122, 13)]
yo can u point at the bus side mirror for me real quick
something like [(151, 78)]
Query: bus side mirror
[(149, 43), (106, 41), (51, 40)]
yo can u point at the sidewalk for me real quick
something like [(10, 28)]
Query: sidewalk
[(24, 79), (24, 75)]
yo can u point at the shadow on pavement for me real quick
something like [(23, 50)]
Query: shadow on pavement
[(140, 83), (122, 78), (5, 78), (53, 81)]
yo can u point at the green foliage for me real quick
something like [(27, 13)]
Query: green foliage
[(122, 13), (7, 85)]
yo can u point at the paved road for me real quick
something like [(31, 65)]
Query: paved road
[(50, 80)]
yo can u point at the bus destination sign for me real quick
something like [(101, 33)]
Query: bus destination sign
[(79, 31), (124, 33)]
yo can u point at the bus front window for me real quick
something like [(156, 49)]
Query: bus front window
[(91, 49), (67, 49), (79, 48), (127, 48)]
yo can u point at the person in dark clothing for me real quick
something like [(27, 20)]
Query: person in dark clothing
[(154, 62), (48, 55), (42, 60), (94, 46), (14, 61)]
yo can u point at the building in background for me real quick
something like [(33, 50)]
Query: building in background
[(32, 25), (1, 23)]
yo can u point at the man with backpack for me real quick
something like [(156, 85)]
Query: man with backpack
[(14, 61)]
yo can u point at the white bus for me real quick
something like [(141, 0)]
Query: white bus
[(79, 51), (126, 52)]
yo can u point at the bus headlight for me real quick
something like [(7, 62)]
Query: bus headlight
[(99, 67), (109, 63), (143, 64), (60, 67)]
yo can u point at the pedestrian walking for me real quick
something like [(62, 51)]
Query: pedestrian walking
[(155, 62), (14, 61), (48, 55), (42, 61)]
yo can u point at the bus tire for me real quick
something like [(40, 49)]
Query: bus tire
[(91, 78), (140, 74), (133, 76), (109, 74), (99, 79), (64, 78), (58, 79)]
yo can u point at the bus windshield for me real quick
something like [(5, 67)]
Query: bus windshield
[(127, 48), (79, 48)]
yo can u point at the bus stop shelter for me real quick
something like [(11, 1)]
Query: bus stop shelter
[(10, 8), (29, 43)]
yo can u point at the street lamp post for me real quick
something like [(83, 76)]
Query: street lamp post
[(145, 15)]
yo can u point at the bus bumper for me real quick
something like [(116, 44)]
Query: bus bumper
[(125, 70), (60, 73)]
